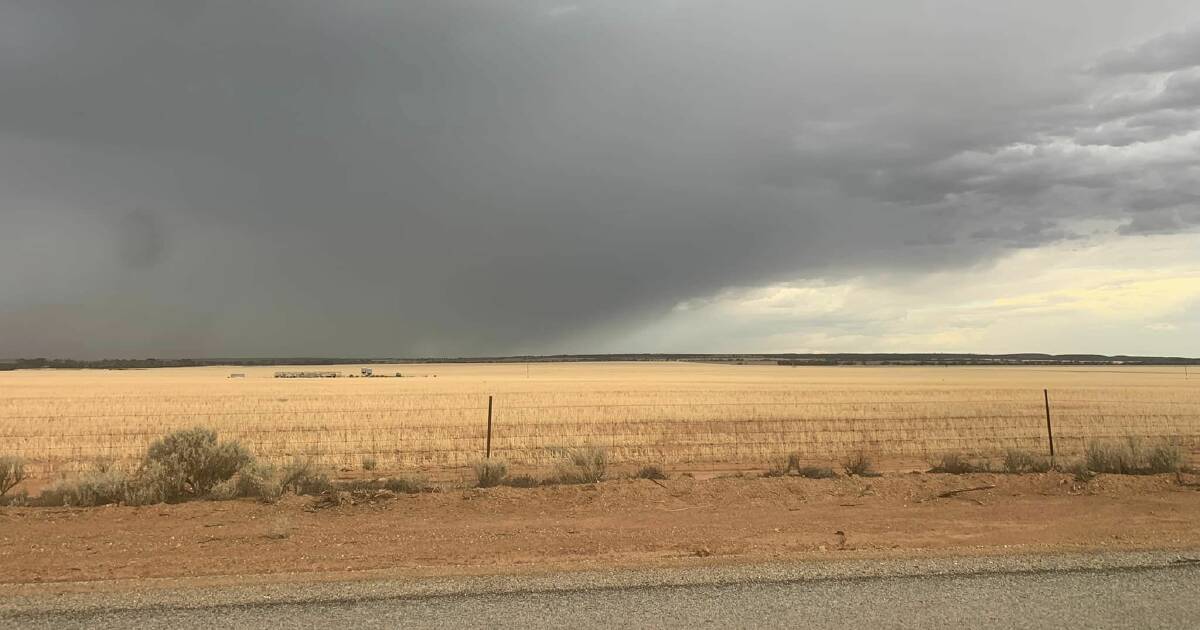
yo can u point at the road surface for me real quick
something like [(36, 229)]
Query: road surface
[(1158, 594)]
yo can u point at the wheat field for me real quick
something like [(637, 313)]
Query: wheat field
[(674, 413)]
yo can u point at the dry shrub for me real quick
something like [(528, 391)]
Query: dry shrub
[(259, 480), (408, 484), (12, 472), (195, 461), (369, 462), (816, 472), (1130, 457), (651, 471), (489, 472), (305, 476), (778, 466), (268, 482), (1113, 457), (105, 484), (522, 481), (154, 483), (224, 491), (859, 464), (16, 499), (957, 464), (1021, 461), (88, 489), (1079, 469), (1167, 456), (587, 464), (782, 465)]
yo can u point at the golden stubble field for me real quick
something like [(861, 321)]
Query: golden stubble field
[(688, 414)]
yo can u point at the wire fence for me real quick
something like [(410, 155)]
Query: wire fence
[(696, 432)]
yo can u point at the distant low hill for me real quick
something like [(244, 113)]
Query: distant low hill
[(787, 359)]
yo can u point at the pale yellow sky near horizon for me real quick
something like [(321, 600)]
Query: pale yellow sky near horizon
[(1106, 294)]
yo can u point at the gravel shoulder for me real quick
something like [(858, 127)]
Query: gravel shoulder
[(453, 597)]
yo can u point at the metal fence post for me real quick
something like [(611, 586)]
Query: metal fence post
[(488, 452), (1049, 429)]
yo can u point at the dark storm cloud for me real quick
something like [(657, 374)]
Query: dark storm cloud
[(1167, 52), (1029, 234), (1150, 127), (484, 177), (1157, 222), (140, 240)]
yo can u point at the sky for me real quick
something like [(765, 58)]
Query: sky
[(458, 178)]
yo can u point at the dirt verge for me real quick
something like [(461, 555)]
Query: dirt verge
[(616, 523)]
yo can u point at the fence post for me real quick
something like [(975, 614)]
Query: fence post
[(488, 453), (1049, 429)]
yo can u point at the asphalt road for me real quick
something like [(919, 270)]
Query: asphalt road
[(1151, 595)]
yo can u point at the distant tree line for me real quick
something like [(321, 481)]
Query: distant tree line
[(786, 359), (137, 364), (981, 359)]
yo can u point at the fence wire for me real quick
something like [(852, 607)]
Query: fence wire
[(691, 432)]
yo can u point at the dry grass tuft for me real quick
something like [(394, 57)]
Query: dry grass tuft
[(260, 480), (91, 489), (304, 475), (652, 471), (588, 464), (778, 466), (523, 481), (408, 484), (859, 465), (489, 473), (269, 482), (1167, 456), (957, 464), (1132, 457), (1021, 461)]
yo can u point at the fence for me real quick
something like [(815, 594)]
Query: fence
[(696, 432)]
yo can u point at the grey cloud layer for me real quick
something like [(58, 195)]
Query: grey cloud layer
[(1165, 53), (231, 178)]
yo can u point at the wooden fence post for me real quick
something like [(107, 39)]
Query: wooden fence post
[(488, 452), (1049, 429)]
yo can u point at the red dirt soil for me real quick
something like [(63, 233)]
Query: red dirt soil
[(616, 523)]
